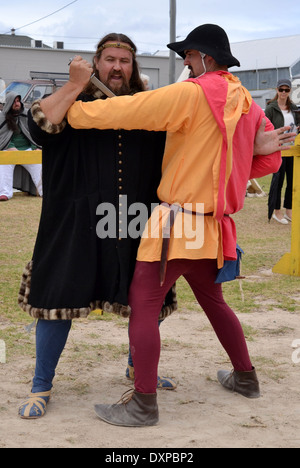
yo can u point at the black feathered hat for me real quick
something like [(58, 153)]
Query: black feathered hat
[(211, 40)]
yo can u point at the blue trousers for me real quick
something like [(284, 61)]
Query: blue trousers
[(51, 338)]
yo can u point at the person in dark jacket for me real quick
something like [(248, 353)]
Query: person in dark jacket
[(15, 135), (282, 111), (73, 270)]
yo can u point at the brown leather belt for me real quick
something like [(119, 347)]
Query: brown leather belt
[(166, 234)]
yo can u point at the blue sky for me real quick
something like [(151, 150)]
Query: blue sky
[(81, 24)]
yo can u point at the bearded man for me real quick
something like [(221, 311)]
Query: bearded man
[(73, 270)]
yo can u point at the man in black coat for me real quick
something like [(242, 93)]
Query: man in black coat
[(77, 264)]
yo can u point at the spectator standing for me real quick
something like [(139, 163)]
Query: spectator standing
[(281, 111)]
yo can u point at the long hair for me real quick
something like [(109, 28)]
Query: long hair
[(289, 102), (12, 121), (135, 83)]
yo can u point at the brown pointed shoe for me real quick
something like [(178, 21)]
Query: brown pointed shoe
[(136, 410), (245, 383)]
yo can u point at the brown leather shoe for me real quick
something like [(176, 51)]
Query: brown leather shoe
[(135, 410), (245, 383)]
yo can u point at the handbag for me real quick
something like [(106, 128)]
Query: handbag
[(231, 269)]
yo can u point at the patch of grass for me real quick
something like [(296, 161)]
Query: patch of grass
[(185, 295), (249, 332), (270, 368), (90, 351), (19, 219), (17, 341)]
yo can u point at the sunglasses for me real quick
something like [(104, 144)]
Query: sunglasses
[(283, 90)]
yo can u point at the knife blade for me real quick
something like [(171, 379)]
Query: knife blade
[(102, 86)]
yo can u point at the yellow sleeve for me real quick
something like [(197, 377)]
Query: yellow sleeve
[(166, 109)]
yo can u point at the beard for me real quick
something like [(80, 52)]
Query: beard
[(122, 90)]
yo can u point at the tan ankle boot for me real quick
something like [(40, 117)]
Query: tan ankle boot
[(136, 410), (245, 383)]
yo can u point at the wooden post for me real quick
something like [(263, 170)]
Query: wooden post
[(20, 157), (289, 264), (172, 60)]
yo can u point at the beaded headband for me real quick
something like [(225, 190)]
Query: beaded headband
[(116, 45)]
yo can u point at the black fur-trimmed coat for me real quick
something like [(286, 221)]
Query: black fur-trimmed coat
[(73, 271)]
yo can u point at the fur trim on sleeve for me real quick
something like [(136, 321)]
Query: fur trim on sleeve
[(41, 120)]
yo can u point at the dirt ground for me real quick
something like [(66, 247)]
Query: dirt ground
[(199, 414)]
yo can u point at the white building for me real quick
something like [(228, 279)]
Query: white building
[(263, 62), (19, 55)]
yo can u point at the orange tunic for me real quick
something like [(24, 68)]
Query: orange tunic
[(192, 162)]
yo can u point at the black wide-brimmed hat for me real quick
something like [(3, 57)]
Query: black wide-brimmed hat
[(211, 40)]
